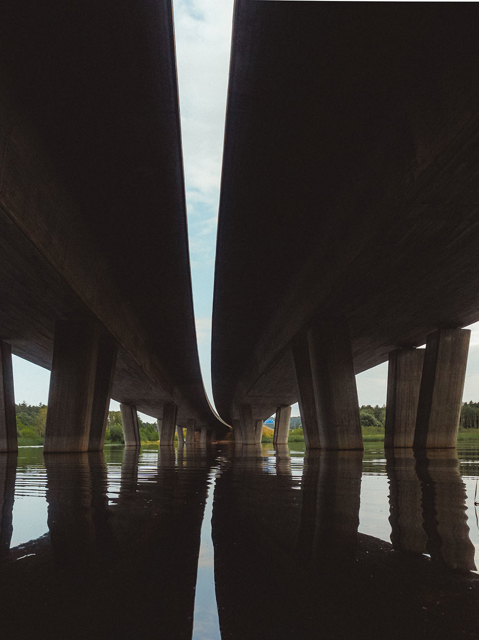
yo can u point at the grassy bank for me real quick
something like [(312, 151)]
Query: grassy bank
[(30, 442), (468, 434)]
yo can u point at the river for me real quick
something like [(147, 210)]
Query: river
[(244, 543)]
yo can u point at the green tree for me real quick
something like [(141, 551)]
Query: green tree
[(41, 420), (368, 420)]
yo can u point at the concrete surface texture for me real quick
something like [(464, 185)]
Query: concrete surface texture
[(348, 187)]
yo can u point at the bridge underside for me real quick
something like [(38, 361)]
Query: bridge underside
[(349, 189), (92, 203)]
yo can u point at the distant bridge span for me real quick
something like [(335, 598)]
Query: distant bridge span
[(349, 200)]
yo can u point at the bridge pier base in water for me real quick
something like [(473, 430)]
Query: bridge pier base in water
[(258, 431), (404, 382), (105, 371), (281, 425), (8, 424), (237, 431), (168, 424), (306, 399), (131, 431), (335, 386), (190, 431), (442, 386), (72, 386), (248, 425), (181, 435)]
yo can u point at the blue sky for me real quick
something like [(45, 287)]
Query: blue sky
[(203, 40)]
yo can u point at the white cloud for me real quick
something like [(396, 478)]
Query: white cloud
[(203, 330), (203, 40)]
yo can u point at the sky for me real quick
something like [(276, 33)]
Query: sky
[(203, 41)]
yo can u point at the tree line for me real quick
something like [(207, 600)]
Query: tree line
[(31, 422), (376, 416), (469, 416)]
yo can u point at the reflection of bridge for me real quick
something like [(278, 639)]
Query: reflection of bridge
[(121, 557), (350, 159)]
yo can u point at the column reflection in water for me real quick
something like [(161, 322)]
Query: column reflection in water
[(253, 533), (444, 509), (69, 497), (428, 507), (122, 568), (283, 460), (8, 469), (405, 502), (331, 490)]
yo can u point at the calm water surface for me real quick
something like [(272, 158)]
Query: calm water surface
[(242, 544)]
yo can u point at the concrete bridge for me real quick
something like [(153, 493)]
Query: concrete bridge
[(348, 228), (95, 281)]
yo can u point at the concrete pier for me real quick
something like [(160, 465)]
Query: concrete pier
[(105, 370), (258, 430), (442, 385), (248, 425), (335, 386), (129, 418), (237, 431), (306, 399), (8, 470), (8, 425), (181, 436), (72, 384), (283, 461), (404, 383), (168, 425), (190, 431), (204, 438), (281, 425)]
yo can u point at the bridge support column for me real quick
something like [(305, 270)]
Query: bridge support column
[(190, 431), (105, 370), (306, 399), (442, 385), (404, 383), (281, 425), (168, 425), (8, 424), (181, 436), (72, 384), (237, 431), (129, 418), (204, 437), (8, 471), (335, 387), (258, 430), (248, 425)]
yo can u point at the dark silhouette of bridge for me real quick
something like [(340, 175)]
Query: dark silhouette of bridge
[(348, 228), (94, 252)]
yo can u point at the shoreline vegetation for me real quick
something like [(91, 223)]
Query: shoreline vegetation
[(31, 421)]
